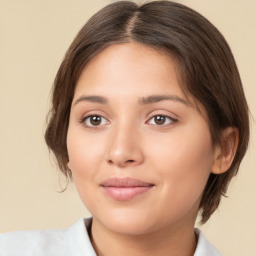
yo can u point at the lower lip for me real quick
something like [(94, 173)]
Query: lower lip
[(125, 193)]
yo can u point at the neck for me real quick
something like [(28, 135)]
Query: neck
[(175, 241)]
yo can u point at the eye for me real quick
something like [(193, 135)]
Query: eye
[(161, 120), (94, 120)]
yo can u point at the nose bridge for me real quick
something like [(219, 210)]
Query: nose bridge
[(125, 146)]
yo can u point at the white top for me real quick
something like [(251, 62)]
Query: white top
[(73, 241)]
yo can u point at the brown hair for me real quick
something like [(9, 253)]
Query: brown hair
[(206, 64)]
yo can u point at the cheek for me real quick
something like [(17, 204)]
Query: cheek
[(85, 157), (184, 164), (84, 152), (182, 153)]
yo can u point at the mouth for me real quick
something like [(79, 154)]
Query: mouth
[(124, 189)]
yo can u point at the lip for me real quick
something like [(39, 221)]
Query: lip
[(124, 189)]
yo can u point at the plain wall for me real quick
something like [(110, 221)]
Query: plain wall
[(34, 36)]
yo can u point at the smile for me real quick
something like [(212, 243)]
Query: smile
[(124, 189)]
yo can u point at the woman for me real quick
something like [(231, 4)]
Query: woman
[(150, 121)]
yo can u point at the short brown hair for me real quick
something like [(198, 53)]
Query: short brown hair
[(206, 66)]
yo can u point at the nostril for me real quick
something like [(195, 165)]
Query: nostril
[(110, 161), (130, 161)]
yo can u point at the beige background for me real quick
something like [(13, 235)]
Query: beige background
[(34, 36)]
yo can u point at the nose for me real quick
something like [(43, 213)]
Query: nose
[(125, 147)]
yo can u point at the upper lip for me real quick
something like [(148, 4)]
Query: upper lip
[(125, 182)]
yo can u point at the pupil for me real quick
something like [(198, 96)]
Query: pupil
[(159, 120), (95, 120)]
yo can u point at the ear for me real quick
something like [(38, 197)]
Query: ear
[(225, 151)]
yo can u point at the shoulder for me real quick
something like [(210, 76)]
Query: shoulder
[(63, 242), (204, 247), (21, 243)]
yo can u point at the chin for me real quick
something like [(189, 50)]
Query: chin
[(129, 222)]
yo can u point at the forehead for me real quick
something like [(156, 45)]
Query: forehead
[(133, 64), (130, 64)]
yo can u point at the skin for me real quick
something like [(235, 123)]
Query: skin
[(176, 156)]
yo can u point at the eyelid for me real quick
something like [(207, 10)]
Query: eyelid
[(172, 122), (83, 119), (83, 113)]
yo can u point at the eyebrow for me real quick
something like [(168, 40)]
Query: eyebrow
[(157, 98), (142, 101), (93, 98)]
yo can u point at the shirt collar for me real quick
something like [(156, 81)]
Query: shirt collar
[(80, 244)]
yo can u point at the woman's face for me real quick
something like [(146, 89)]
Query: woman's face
[(139, 152)]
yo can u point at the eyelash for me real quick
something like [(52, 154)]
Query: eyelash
[(171, 120), (86, 118)]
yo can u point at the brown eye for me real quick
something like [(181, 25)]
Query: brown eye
[(95, 120), (161, 120)]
